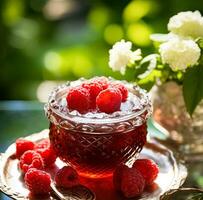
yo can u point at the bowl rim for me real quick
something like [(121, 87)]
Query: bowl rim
[(145, 112)]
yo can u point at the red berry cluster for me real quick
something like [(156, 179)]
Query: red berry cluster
[(132, 181), (34, 158), (97, 93)]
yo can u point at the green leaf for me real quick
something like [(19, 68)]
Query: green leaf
[(198, 196), (150, 62), (148, 82), (200, 42), (147, 85), (140, 69), (193, 87)]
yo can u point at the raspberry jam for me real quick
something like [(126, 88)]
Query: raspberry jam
[(95, 143)]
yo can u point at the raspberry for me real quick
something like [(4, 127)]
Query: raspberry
[(78, 98), (45, 143), (94, 89), (46, 151), (123, 90), (148, 168), (132, 183), (31, 159), (37, 181), (117, 175), (103, 81), (22, 146), (66, 177), (109, 100)]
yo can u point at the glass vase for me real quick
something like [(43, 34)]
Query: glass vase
[(170, 112)]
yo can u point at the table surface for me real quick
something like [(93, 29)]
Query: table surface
[(21, 118)]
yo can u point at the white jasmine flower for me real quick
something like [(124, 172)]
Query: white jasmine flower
[(179, 53), (187, 24), (121, 55)]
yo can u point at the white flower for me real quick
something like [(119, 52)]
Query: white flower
[(179, 53), (187, 24), (121, 55)]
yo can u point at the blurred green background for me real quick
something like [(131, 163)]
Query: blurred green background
[(44, 41)]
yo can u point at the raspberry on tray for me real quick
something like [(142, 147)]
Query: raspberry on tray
[(66, 177), (133, 183), (129, 181), (38, 182), (22, 146), (117, 175), (31, 159), (148, 168), (46, 151)]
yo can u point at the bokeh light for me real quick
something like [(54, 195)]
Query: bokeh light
[(53, 62), (59, 40), (137, 9), (13, 11), (44, 89), (139, 33), (25, 34), (55, 9), (113, 33), (99, 17)]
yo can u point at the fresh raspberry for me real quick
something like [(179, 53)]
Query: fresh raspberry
[(132, 183), (37, 181), (122, 88), (45, 143), (22, 146), (103, 81), (117, 176), (94, 89), (78, 98), (46, 151), (109, 100), (66, 177), (148, 168), (31, 159)]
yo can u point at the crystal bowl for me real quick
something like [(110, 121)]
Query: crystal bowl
[(94, 144)]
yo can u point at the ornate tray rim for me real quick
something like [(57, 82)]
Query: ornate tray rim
[(180, 170)]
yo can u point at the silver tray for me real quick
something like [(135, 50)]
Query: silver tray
[(172, 175)]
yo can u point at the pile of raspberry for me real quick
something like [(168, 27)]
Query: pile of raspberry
[(97, 94), (34, 160), (133, 181)]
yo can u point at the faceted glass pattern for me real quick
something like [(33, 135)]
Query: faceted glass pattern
[(97, 155)]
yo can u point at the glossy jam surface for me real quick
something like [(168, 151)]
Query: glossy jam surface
[(97, 155)]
